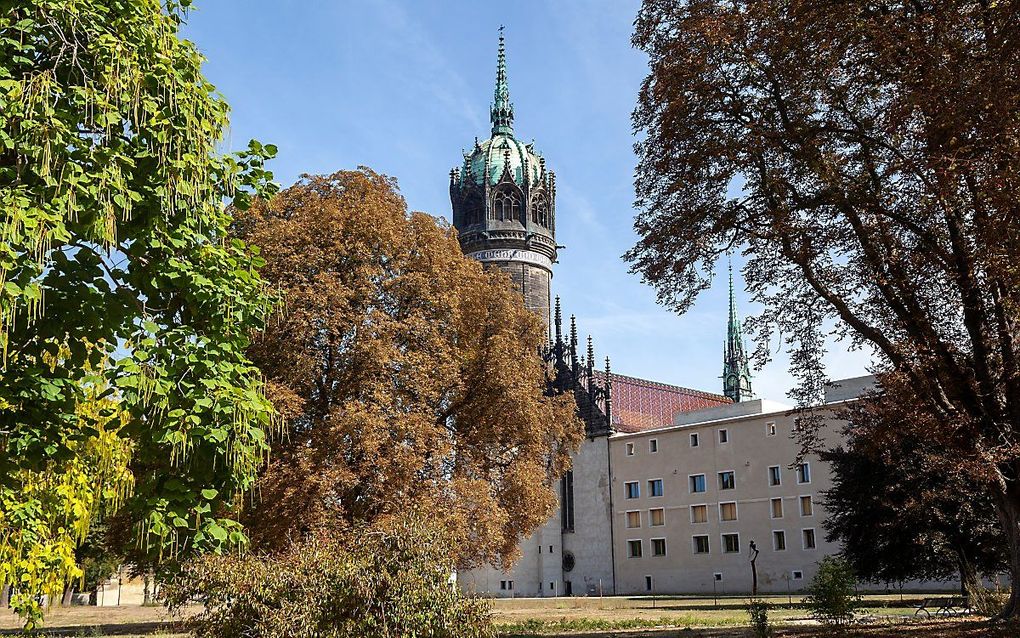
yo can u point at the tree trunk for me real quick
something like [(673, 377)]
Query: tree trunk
[(65, 600), (1008, 509), (5, 596), (968, 575), (146, 594)]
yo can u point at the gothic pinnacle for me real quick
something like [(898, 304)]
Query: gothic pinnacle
[(502, 112)]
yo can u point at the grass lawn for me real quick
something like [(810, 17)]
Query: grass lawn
[(619, 617), (559, 615)]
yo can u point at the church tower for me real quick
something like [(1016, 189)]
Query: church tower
[(504, 206), (736, 373)]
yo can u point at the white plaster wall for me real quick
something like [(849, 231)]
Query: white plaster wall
[(537, 573), (590, 542)]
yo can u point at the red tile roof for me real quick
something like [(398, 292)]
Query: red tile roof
[(640, 405)]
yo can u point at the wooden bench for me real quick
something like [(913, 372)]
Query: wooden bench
[(944, 606)]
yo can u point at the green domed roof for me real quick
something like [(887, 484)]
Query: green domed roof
[(488, 158)]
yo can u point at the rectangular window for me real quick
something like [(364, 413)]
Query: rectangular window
[(509, 584), (731, 543), (658, 547), (697, 483), (809, 538), (567, 501), (797, 574), (694, 439), (502, 585), (700, 544), (648, 583), (803, 473), (724, 436), (779, 541), (699, 513), (807, 508), (657, 517), (777, 508), (727, 481), (634, 549), (630, 449), (633, 489), (775, 476), (653, 445), (770, 428), (655, 487), (727, 511), (633, 519)]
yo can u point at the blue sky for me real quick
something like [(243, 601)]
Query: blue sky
[(403, 87)]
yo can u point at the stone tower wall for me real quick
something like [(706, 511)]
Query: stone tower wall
[(534, 283)]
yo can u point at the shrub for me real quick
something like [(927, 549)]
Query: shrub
[(988, 602), (758, 612), (363, 583), (832, 596)]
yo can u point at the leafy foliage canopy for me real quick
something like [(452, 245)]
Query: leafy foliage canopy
[(118, 283), (408, 374)]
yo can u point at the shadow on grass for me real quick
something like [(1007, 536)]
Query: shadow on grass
[(86, 631)]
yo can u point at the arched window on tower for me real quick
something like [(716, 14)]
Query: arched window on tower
[(474, 208), (540, 210), (506, 205)]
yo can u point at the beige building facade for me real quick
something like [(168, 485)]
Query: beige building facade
[(693, 497), (674, 509)]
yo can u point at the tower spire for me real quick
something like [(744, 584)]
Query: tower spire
[(734, 323), (736, 372), (502, 112)]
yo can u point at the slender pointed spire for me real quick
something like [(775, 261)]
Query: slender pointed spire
[(558, 319), (573, 346), (589, 370), (502, 112), (736, 372), (609, 394), (733, 306)]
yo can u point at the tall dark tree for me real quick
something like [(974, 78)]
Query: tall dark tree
[(899, 510), (866, 157)]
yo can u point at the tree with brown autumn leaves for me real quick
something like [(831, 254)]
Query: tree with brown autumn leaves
[(409, 377), (865, 156)]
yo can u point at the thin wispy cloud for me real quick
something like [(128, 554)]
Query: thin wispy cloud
[(426, 70)]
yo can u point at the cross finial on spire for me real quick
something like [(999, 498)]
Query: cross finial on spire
[(502, 112)]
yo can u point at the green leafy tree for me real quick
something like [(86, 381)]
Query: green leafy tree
[(116, 275), (98, 558), (832, 595), (922, 521)]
